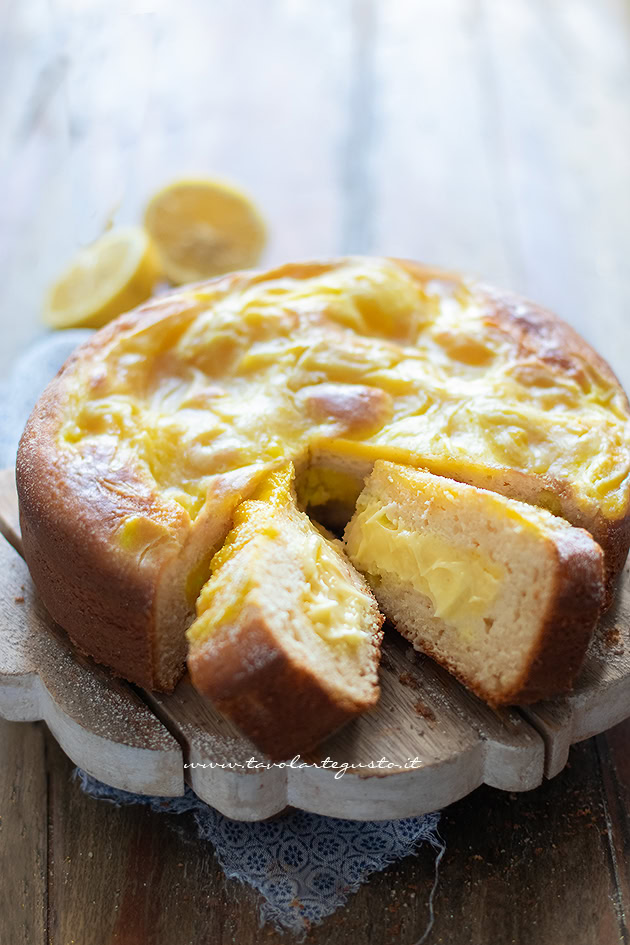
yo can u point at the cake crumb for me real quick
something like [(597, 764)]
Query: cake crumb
[(19, 599), (408, 680), (612, 637), (424, 710)]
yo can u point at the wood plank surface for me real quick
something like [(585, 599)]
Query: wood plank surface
[(124, 874), (614, 753), (23, 841), (500, 147), (518, 868), (560, 74), (435, 191), (534, 868), (104, 102)]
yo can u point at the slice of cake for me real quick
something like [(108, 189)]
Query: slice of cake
[(503, 594), (287, 637)]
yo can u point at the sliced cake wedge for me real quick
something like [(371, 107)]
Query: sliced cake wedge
[(503, 594), (287, 637)]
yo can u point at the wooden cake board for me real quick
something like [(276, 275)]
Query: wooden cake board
[(428, 743)]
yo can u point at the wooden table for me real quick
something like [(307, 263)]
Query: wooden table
[(478, 134)]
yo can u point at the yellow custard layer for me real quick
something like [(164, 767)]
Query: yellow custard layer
[(460, 582), (357, 357), (334, 606)]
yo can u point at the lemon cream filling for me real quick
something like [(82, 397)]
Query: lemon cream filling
[(320, 485), (461, 583), (357, 355), (334, 605)]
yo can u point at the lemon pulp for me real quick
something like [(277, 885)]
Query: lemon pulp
[(203, 228), (105, 279)]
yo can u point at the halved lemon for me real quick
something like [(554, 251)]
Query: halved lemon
[(107, 278), (203, 228)]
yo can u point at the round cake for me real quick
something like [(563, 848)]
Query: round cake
[(137, 455)]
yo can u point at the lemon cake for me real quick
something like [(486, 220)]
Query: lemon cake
[(138, 454), (503, 594), (287, 636)]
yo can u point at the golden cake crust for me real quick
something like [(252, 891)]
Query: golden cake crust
[(115, 602), (269, 685), (569, 623), (565, 630), (544, 337)]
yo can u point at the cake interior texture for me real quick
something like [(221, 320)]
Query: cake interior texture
[(286, 641), (503, 594)]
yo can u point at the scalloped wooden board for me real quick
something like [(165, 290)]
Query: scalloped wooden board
[(100, 722), (152, 743)]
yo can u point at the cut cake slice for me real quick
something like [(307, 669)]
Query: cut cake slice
[(287, 637), (503, 594)]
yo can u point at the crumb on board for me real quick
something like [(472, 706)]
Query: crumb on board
[(612, 637), (408, 680), (424, 710), (19, 599)]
